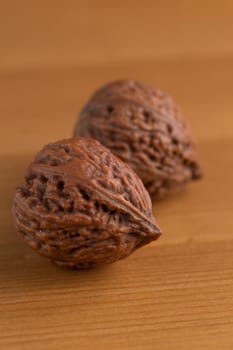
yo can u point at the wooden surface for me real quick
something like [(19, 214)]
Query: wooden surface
[(177, 292)]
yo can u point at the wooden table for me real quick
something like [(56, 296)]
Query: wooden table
[(177, 292)]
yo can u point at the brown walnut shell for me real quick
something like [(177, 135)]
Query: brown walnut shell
[(144, 128), (81, 206)]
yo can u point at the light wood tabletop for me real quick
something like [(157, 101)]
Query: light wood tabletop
[(176, 293)]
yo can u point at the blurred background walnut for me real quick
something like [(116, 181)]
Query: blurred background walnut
[(143, 127), (81, 206)]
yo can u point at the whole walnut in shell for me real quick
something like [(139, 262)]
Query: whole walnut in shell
[(81, 206), (144, 128)]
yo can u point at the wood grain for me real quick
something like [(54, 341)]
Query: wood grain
[(54, 32), (177, 292)]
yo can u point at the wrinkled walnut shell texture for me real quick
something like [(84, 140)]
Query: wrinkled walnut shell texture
[(144, 128), (81, 206)]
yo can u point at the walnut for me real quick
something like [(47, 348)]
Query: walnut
[(81, 206), (144, 128)]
